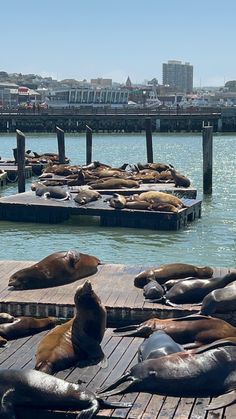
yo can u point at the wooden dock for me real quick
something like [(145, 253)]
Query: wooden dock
[(3, 179), (114, 283), (12, 172), (124, 304), (27, 207)]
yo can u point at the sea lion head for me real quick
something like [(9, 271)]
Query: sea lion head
[(85, 294), (6, 318)]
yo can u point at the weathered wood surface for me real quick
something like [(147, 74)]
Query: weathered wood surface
[(114, 283), (121, 354), (3, 178), (29, 207), (12, 172)]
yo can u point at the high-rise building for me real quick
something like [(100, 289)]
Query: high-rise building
[(178, 75)]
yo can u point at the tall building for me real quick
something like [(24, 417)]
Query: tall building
[(178, 75)]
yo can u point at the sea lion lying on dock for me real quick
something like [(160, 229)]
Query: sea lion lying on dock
[(157, 345), (195, 330), (25, 326), (160, 198), (86, 194), (179, 179), (208, 372), (171, 271), (52, 192), (220, 301), (59, 268), (114, 183), (35, 389), (79, 338)]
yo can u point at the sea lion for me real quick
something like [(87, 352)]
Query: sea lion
[(86, 194), (159, 167), (210, 372), (193, 290), (220, 300), (194, 328), (114, 183), (153, 290), (161, 197), (156, 206), (35, 389), (179, 179), (172, 271), (138, 205), (78, 339), (6, 318), (157, 345), (117, 201), (59, 268), (52, 192), (24, 326)]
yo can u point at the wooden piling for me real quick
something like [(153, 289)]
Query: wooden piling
[(61, 145), (148, 129), (207, 147), (21, 160), (89, 143)]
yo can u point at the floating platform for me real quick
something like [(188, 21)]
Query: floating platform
[(114, 283), (121, 354), (125, 304), (27, 207), (3, 179), (12, 172)]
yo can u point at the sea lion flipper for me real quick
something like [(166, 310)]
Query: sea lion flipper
[(104, 362), (216, 344), (7, 404), (224, 400), (88, 413)]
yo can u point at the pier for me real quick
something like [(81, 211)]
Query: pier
[(111, 283)]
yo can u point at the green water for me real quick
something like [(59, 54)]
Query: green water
[(210, 240)]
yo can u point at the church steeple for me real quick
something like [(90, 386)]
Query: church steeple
[(128, 82)]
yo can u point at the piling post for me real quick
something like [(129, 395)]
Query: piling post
[(20, 138), (89, 143), (61, 145), (207, 147), (148, 129)]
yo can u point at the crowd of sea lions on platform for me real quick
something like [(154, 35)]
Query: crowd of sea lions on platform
[(190, 356), (97, 176)]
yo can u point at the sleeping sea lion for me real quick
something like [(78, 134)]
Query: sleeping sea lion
[(78, 339), (52, 192), (179, 179), (157, 345), (161, 197), (86, 194), (210, 372), (220, 300), (24, 326), (194, 328), (172, 271), (56, 269), (114, 183), (117, 201), (37, 390), (153, 290)]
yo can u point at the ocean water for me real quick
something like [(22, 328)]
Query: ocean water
[(210, 240)]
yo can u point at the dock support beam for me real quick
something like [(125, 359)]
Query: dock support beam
[(61, 145), (207, 147), (148, 129), (21, 160), (89, 142)]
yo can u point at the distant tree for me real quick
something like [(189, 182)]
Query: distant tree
[(231, 85)]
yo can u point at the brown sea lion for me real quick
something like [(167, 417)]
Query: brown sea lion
[(6, 318), (172, 271), (179, 179), (156, 206), (193, 290), (161, 197), (210, 372), (138, 205), (37, 390), (117, 201), (56, 269), (79, 338), (86, 194), (220, 300), (159, 167), (24, 326), (114, 183), (194, 328)]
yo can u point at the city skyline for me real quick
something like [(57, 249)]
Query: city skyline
[(85, 39)]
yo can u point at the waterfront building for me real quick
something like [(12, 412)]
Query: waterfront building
[(178, 75)]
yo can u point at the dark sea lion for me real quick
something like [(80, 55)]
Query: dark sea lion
[(56, 269), (159, 167), (193, 290), (153, 290), (24, 326), (35, 389), (78, 339), (157, 345), (220, 300), (194, 328), (161, 198), (86, 194), (209, 373), (172, 271), (179, 179), (117, 201), (52, 192)]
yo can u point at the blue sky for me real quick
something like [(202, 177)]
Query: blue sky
[(85, 39)]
